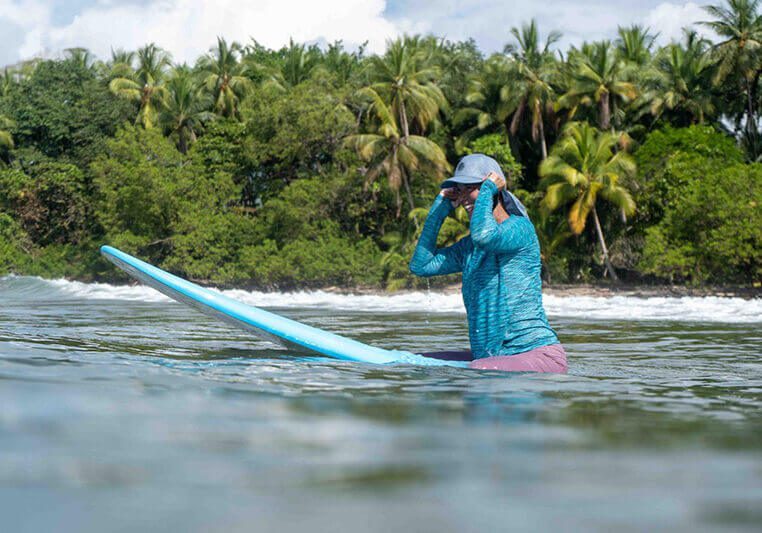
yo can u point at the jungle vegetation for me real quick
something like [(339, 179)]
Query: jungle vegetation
[(311, 167)]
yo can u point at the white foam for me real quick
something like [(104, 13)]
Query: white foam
[(687, 308), (105, 291)]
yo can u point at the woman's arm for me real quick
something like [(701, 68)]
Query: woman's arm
[(428, 260), (486, 233)]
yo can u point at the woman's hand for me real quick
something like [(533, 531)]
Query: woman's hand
[(497, 179), (451, 193)]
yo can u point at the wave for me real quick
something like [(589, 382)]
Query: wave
[(685, 308)]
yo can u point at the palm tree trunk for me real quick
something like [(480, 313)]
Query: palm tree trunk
[(543, 144), (602, 242), (409, 194), (605, 111), (403, 119)]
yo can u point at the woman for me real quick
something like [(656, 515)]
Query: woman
[(500, 262)]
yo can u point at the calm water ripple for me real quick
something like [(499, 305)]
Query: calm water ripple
[(120, 414)]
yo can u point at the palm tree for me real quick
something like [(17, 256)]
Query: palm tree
[(634, 44), (533, 68), (342, 64), (598, 78), (392, 153), (80, 57), (487, 111), (582, 167), (225, 77), (120, 65), (291, 65), (7, 81), (404, 79), (678, 84), (185, 108), (146, 84), (739, 53)]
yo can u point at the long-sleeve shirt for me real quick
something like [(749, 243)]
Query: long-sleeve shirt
[(502, 289)]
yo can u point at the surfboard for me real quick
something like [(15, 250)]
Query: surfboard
[(282, 331)]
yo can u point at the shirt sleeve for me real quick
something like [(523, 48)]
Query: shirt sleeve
[(428, 260), (508, 237)]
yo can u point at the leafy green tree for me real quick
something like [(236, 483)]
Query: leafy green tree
[(294, 135), (598, 78), (146, 85), (657, 190), (494, 145), (225, 77), (711, 230), (533, 69), (52, 205), (583, 167), (739, 55), (63, 110), (184, 109), (140, 181)]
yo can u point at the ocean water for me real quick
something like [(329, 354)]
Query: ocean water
[(121, 410)]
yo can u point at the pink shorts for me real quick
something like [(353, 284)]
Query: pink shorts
[(543, 359)]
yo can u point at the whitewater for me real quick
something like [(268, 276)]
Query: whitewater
[(732, 310)]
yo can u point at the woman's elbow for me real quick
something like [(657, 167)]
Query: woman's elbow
[(482, 239), (417, 269)]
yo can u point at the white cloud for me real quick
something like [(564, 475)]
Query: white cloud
[(670, 19), (187, 28)]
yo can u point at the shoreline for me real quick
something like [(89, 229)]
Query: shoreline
[(600, 291)]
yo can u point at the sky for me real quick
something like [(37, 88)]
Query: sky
[(188, 28)]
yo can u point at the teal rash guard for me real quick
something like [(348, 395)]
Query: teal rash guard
[(502, 289)]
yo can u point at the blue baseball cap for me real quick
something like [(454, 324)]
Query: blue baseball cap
[(473, 168)]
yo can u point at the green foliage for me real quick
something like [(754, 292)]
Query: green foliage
[(14, 246), (62, 109), (712, 229), (657, 187), (495, 146), (139, 181), (52, 206), (295, 134), (300, 178)]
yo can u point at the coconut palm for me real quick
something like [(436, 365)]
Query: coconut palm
[(678, 84), (739, 54), (146, 85), (185, 109), (405, 81), (225, 77), (581, 169), (80, 57), (598, 78), (634, 44), (120, 64), (533, 69), (342, 64), (486, 110), (394, 154)]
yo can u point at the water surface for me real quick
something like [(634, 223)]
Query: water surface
[(122, 410)]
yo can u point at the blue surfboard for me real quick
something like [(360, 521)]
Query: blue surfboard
[(280, 330)]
